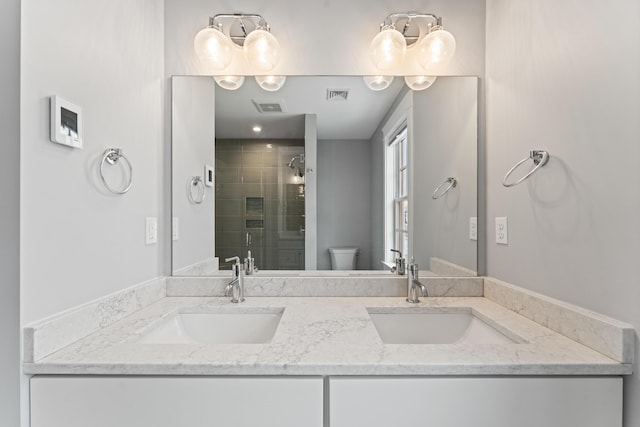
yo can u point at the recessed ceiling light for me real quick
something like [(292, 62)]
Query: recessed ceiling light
[(257, 128)]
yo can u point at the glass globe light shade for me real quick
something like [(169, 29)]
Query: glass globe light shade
[(262, 49), (419, 82), (388, 48), (436, 48), (229, 82), (271, 83), (378, 82), (213, 48)]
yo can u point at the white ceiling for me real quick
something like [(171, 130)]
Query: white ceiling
[(356, 118)]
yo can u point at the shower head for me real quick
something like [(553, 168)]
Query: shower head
[(300, 157)]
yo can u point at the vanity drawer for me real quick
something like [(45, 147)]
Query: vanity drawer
[(476, 401), (80, 401)]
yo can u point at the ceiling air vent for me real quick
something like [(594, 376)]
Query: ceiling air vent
[(270, 105), (337, 94)]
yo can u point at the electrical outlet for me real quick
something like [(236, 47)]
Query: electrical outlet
[(473, 228), (151, 231), (175, 228), (502, 235)]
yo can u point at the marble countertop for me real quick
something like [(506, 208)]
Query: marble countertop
[(327, 336)]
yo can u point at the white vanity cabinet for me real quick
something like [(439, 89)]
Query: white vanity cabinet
[(476, 401), (128, 401)]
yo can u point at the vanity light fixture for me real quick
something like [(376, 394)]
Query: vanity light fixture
[(388, 47), (271, 83), (213, 47), (228, 33), (419, 82), (378, 82), (421, 34), (229, 82)]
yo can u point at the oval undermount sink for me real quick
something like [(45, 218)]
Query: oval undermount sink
[(218, 327), (433, 327)]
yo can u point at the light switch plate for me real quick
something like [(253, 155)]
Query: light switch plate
[(175, 228), (151, 230), (502, 235), (473, 228)]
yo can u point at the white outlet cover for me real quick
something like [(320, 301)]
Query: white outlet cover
[(473, 228), (151, 230), (502, 231), (175, 228)]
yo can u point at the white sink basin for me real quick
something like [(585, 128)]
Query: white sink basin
[(433, 327), (221, 327)]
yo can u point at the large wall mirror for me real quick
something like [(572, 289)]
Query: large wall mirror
[(324, 174)]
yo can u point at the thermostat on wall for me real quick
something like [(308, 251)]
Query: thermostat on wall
[(208, 175), (66, 122)]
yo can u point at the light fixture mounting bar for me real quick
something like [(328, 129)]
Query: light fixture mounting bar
[(394, 17), (258, 20), (238, 25), (398, 17)]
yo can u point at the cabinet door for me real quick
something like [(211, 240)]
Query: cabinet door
[(76, 401), (464, 402)]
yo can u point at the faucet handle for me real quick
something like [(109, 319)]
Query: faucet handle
[(235, 268), (233, 258), (413, 270)]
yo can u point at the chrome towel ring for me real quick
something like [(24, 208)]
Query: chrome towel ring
[(452, 184), (539, 157), (112, 156), (196, 183)]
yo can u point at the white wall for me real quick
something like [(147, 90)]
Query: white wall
[(193, 142), (445, 144), (563, 76), (323, 37), (10, 214), (80, 242), (344, 194)]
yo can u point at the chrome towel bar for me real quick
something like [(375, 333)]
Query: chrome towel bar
[(539, 157), (112, 156), (453, 182), (196, 183)]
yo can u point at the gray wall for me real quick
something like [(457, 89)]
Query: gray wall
[(445, 129), (80, 242), (10, 214), (563, 76), (344, 199), (193, 146)]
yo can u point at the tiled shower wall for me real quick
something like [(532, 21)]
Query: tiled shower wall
[(258, 194)]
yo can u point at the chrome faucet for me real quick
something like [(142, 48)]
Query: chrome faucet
[(236, 286), (414, 284), (399, 265)]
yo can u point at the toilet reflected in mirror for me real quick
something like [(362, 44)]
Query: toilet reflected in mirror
[(344, 258)]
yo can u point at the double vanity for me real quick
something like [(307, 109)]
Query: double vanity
[(328, 350)]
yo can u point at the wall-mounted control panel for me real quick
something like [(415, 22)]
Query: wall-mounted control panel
[(66, 123)]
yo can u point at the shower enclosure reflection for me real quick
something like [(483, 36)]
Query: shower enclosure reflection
[(259, 199)]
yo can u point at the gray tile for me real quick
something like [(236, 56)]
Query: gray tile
[(229, 207)]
